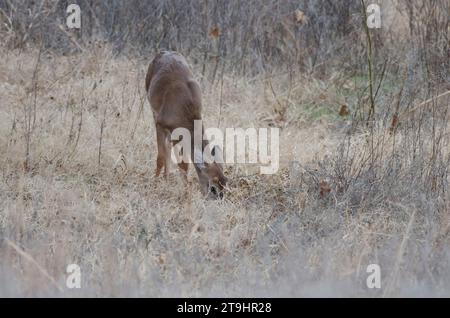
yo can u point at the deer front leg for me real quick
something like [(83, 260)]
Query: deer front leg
[(181, 158), (163, 151)]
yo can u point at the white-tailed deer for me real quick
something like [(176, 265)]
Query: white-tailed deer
[(175, 98)]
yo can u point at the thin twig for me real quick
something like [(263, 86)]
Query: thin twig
[(401, 251), (30, 259), (434, 98), (369, 61)]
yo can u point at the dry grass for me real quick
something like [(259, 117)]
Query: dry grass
[(66, 201)]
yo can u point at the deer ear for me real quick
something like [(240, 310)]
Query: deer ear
[(217, 154), (198, 157), (223, 181)]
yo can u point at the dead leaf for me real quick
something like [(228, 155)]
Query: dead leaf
[(344, 111), (324, 188), (394, 123), (300, 17), (323, 96), (215, 32)]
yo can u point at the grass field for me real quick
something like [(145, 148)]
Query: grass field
[(66, 200), (77, 185)]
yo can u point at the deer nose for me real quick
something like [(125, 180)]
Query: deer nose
[(213, 190)]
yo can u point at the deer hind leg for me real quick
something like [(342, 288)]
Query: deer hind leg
[(162, 160)]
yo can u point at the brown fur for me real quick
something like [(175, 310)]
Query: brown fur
[(175, 98)]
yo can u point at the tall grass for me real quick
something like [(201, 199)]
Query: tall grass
[(77, 151)]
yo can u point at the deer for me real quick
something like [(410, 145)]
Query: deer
[(176, 102)]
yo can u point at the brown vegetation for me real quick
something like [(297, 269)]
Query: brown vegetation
[(77, 150)]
